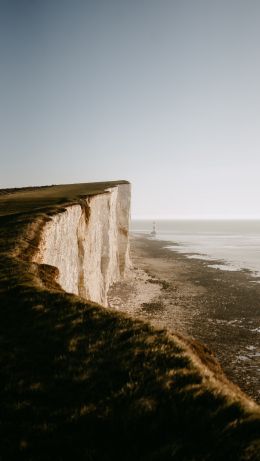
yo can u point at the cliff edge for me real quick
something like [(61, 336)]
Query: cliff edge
[(88, 243), (80, 381)]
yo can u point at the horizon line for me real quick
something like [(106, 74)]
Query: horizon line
[(195, 218)]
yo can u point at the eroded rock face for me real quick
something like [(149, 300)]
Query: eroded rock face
[(89, 243)]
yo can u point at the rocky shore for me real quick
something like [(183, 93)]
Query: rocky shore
[(219, 308)]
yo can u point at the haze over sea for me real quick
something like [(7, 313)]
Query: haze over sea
[(234, 243)]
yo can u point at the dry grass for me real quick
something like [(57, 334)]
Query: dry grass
[(82, 382)]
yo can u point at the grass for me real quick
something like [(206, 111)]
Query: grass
[(81, 382)]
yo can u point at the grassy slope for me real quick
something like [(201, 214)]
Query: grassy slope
[(82, 382)]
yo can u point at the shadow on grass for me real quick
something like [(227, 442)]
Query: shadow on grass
[(78, 381), (81, 382)]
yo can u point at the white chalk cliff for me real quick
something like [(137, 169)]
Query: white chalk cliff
[(89, 243)]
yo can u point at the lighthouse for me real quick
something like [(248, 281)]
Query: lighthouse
[(153, 233)]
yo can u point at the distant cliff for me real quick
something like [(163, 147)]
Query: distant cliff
[(89, 243)]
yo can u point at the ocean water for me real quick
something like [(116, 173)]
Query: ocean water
[(235, 244)]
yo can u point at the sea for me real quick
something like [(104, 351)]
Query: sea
[(226, 244)]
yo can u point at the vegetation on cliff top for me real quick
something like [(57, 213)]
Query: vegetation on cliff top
[(79, 381)]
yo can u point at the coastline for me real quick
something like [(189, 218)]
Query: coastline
[(81, 381), (218, 308)]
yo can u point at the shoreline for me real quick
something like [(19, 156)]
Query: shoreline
[(186, 295)]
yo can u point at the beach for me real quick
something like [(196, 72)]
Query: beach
[(219, 308)]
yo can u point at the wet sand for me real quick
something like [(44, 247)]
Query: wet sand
[(219, 308)]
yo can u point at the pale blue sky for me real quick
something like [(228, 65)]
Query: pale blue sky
[(164, 93)]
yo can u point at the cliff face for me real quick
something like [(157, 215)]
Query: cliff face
[(79, 381), (89, 244)]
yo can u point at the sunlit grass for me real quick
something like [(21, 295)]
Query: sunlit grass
[(82, 382)]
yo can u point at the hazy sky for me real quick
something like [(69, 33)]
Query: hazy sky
[(164, 93)]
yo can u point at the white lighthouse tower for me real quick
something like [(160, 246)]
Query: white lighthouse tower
[(153, 233)]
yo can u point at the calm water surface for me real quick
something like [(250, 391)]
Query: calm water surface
[(235, 243)]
